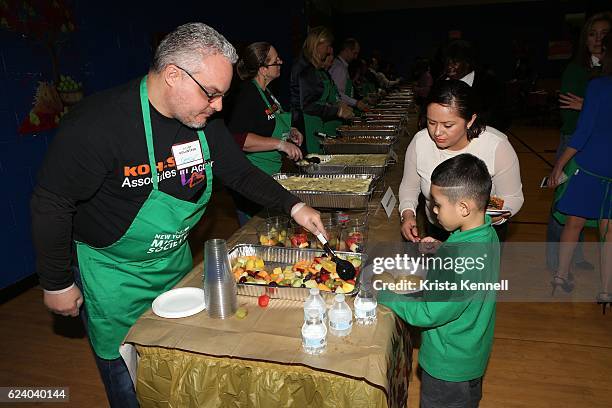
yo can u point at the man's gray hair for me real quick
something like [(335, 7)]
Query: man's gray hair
[(188, 44)]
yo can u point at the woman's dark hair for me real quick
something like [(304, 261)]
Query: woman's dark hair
[(251, 59), (460, 97), (606, 61), (583, 56)]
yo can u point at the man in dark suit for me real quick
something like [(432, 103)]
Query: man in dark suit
[(460, 63)]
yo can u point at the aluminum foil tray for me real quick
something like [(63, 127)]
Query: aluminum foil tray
[(280, 256), (324, 168), (326, 199), (368, 130), (366, 144)]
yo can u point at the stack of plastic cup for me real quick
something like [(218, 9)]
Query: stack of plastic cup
[(219, 284)]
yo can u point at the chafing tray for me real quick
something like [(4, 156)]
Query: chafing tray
[(377, 122), (359, 145), (279, 256), (327, 199), (326, 168), (367, 130)]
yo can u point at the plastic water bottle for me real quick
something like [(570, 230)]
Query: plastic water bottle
[(340, 317), (315, 302), (314, 333), (365, 307)]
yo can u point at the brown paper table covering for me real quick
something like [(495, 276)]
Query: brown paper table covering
[(258, 361)]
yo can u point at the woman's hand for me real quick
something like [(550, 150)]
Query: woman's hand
[(409, 226), (296, 136), (555, 177), (292, 151), (345, 111), (570, 101)]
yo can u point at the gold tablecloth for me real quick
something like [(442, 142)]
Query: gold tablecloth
[(258, 361)]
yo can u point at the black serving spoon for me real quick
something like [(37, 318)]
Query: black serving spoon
[(315, 160), (344, 268)]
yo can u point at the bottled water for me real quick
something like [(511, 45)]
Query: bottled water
[(340, 317), (314, 333), (365, 307), (315, 302)]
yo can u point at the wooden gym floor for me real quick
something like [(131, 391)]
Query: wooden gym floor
[(544, 355)]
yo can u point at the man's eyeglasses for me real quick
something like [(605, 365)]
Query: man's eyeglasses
[(212, 97)]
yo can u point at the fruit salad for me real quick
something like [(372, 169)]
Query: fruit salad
[(319, 273), (273, 237), (354, 241)]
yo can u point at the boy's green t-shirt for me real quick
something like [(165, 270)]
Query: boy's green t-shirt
[(458, 330)]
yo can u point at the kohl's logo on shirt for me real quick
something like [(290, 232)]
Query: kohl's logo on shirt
[(140, 175)]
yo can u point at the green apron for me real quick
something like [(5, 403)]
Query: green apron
[(271, 161), (570, 169), (314, 124), (121, 280), (349, 89)]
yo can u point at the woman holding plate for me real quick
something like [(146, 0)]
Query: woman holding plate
[(453, 127)]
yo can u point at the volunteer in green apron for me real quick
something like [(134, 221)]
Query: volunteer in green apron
[(315, 124), (339, 72), (256, 118), (314, 99), (128, 182), (120, 281)]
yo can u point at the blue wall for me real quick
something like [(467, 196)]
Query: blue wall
[(112, 44)]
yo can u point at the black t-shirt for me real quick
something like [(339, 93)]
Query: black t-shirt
[(249, 113), (96, 176)]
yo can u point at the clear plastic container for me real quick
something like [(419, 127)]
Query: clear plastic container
[(314, 333), (340, 317), (354, 235), (365, 307), (273, 231)]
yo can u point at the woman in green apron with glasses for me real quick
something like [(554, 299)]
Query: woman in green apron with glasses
[(128, 176), (314, 100), (258, 121)]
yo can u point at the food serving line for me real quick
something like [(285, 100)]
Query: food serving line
[(258, 360)]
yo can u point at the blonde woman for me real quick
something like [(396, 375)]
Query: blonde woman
[(315, 103)]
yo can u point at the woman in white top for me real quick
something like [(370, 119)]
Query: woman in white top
[(453, 127)]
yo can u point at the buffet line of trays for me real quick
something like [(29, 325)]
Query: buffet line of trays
[(345, 176), (288, 260)]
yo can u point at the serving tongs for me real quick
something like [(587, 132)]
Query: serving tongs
[(344, 268)]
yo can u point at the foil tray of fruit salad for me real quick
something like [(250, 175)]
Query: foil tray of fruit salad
[(289, 273)]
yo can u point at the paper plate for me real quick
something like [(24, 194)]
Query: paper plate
[(180, 302)]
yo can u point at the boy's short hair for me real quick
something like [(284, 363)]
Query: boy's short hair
[(467, 175)]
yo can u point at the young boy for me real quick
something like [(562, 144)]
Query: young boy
[(458, 322)]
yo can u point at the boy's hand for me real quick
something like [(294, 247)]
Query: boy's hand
[(429, 245)]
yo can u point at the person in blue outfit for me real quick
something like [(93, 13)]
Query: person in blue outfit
[(587, 195)]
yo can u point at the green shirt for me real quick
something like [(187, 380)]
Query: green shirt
[(458, 333), (574, 80)]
